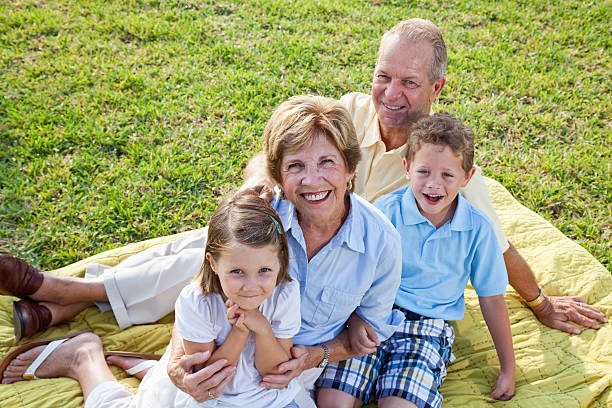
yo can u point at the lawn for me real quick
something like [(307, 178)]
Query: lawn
[(127, 120)]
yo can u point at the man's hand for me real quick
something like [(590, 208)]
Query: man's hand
[(556, 311), (362, 336), (257, 179), (290, 369), (263, 187)]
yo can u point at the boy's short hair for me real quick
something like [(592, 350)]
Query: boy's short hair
[(442, 129)]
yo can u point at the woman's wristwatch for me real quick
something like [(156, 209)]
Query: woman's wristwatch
[(325, 360), (537, 301)]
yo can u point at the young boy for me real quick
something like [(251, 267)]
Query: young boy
[(445, 241)]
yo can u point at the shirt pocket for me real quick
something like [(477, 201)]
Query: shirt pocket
[(335, 306)]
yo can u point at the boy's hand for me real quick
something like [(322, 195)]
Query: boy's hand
[(503, 390), (362, 336)]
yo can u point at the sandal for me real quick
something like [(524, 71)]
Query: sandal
[(51, 343), (149, 360)]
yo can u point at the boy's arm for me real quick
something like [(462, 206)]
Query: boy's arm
[(269, 351), (496, 316)]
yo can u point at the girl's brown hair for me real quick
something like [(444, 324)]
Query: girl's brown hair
[(248, 220)]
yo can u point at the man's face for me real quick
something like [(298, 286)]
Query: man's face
[(401, 90)]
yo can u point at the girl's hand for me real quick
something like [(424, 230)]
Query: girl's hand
[(256, 322), (503, 389), (236, 315)]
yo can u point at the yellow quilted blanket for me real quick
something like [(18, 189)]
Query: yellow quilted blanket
[(553, 369)]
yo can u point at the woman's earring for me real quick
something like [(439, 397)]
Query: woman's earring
[(281, 194), (349, 185)]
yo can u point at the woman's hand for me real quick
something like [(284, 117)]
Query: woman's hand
[(362, 336), (503, 389), (301, 360), (199, 384)]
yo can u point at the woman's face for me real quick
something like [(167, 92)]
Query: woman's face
[(315, 180)]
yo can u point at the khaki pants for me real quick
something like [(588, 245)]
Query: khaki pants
[(143, 288)]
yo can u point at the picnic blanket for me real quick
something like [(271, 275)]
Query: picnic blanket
[(554, 369)]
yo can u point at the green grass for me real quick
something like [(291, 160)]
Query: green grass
[(125, 120)]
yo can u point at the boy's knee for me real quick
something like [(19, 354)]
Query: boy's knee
[(331, 398), (395, 402)]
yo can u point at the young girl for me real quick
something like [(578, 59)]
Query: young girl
[(242, 306)]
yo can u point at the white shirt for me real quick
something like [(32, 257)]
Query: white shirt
[(203, 319)]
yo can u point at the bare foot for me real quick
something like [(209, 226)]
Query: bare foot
[(64, 361), (126, 363)]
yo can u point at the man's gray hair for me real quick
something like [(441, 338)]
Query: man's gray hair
[(416, 30)]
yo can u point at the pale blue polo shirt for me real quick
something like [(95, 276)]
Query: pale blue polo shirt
[(358, 270), (437, 263)]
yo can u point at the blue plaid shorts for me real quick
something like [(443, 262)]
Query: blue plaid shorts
[(411, 365)]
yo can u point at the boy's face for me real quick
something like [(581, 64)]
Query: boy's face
[(436, 175)]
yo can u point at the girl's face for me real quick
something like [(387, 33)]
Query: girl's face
[(247, 274)]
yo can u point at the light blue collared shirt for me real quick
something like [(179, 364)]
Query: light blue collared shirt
[(358, 270), (436, 263)]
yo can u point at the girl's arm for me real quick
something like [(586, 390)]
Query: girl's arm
[(230, 349), (269, 351), (496, 315)]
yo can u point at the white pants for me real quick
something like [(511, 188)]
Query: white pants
[(143, 288), (156, 390)]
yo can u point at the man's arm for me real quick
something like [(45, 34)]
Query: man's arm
[(554, 311), (257, 178)]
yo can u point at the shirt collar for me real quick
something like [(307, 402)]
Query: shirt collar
[(461, 221), (372, 131), (351, 233)]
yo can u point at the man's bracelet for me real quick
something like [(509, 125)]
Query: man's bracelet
[(537, 301)]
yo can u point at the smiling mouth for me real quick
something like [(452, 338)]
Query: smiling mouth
[(433, 198), (393, 108), (316, 196)]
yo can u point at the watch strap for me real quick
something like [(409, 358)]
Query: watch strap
[(325, 360), (537, 301)]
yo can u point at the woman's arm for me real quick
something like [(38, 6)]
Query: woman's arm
[(496, 316), (199, 384)]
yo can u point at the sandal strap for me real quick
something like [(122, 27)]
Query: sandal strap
[(141, 367), (29, 373)]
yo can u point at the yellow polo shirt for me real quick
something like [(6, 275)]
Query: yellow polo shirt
[(380, 172)]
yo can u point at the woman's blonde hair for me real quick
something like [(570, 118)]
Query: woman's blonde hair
[(246, 219), (298, 120)]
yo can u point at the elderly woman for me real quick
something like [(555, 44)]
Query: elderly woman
[(343, 252)]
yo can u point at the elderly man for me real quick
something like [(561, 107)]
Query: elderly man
[(408, 77)]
